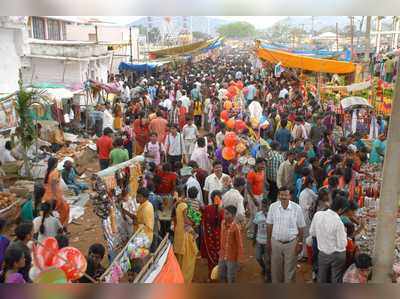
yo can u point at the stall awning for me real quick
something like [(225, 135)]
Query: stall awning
[(354, 102), (305, 62), (182, 50), (140, 68)]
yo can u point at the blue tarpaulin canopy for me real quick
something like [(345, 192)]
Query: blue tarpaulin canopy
[(139, 67), (317, 53)]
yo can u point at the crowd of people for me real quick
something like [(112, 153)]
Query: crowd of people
[(298, 191)]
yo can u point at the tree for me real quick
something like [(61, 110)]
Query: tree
[(27, 131), (237, 30)]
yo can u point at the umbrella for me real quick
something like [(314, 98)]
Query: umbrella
[(355, 102)]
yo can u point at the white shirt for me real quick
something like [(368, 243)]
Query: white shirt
[(185, 102), (307, 199), (201, 157), (108, 120), (193, 182), (212, 183), (255, 109), (234, 198), (283, 93), (167, 103), (51, 227), (174, 145), (220, 138), (330, 232), (286, 222), (190, 132)]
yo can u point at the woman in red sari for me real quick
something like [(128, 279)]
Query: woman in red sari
[(141, 130), (211, 231)]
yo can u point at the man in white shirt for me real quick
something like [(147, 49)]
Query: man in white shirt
[(108, 119), (200, 155), (190, 134), (185, 100), (174, 146), (193, 182), (283, 93), (167, 104), (331, 236), (234, 197), (285, 229), (214, 181), (220, 136)]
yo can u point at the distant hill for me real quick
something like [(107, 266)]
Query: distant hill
[(205, 25)]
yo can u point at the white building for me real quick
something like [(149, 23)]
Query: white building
[(66, 50), (13, 45)]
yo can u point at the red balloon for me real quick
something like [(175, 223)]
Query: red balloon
[(230, 123), (228, 153), (230, 139), (224, 115), (44, 254), (240, 125), (71, 261)]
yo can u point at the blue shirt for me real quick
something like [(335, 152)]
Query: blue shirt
[(252, 90), (284, 137), (260, 220)]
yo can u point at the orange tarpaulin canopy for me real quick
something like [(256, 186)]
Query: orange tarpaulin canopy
[(306, 63), (171, 272)]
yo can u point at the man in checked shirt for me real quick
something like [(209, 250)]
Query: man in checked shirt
[(231, 249)]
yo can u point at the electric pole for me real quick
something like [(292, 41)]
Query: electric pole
[(130, 45), (388, 203)]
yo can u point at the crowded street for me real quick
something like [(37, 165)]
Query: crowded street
[(218, 161)]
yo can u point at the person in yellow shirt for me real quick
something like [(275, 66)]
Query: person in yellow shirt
[(145, 213)]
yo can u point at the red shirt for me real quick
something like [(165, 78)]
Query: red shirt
[(167, 182), (104, 146), (231, 247), (256, 180)]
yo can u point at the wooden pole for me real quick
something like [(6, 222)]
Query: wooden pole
[(390, 190)]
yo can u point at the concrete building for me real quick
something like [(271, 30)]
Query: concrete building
[(66, 50), (13, 46)]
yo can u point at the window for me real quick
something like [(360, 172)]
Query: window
[(38, 28), (53, 29)]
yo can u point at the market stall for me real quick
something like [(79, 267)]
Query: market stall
[(108, 185)]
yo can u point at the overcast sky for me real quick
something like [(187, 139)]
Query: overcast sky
[(258, 21)]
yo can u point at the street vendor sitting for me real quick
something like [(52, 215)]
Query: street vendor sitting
[(57, 140), (69, 175)]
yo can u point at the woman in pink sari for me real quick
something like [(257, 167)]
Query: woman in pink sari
[(211, 231)]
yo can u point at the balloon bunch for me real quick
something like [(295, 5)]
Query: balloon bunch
[(48, 260)]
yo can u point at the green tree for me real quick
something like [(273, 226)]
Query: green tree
[(237, 30), (27, 132)]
